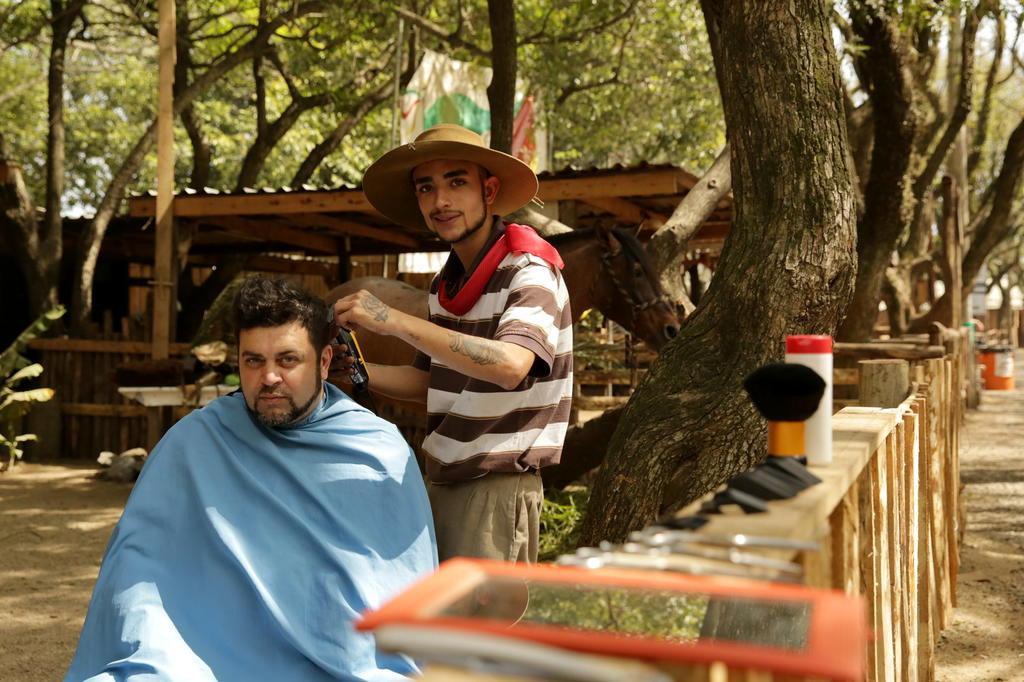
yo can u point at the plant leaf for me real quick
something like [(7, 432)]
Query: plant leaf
[(34, 395), (30, 372), (11, 358)]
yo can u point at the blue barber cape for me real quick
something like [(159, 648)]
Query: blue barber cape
[(245, 553)]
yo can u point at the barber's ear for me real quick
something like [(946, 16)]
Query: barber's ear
[(491, 187)]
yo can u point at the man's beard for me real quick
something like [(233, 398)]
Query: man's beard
[(469, 233), (480, 223), (280, 419)]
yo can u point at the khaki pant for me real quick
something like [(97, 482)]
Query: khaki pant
[(493, 517)]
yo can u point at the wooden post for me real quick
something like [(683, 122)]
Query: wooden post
[(846, 542), (164, 271), (927, 584), (163, 288), (884, 383)]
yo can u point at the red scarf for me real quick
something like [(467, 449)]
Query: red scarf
[(516, 239)]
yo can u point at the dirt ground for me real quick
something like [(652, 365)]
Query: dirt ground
[(54, 525), (55, 521), (985, 641)]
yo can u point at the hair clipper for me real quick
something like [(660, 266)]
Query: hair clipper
[(360, 378)]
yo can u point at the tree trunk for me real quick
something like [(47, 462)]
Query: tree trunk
[(668, 245), (696, 286), (39, 247), (787, 266), (1003, 317), (588, 444), (51, 242), (20, 225), (984, 111), (887, 197), (898, 294), (200, 175), (997, 225), (501, 93)]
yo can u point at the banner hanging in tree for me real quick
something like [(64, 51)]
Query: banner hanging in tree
[(447, 91)]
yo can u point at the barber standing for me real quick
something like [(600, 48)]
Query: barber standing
[(494, 361)]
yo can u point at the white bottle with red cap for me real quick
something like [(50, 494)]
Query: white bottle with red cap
[(816, 352)]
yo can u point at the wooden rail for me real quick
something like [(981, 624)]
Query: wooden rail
[(887, 518)]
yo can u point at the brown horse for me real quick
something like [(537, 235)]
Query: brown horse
[(608, 269), (605, 268)]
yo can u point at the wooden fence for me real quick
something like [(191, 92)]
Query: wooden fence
[(887, 515), (88, 415)]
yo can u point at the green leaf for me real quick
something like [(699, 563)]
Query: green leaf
[(17, 403), (36, 395), (29, 372), (10, 359)]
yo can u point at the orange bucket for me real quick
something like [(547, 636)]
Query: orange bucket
[(997, 368)]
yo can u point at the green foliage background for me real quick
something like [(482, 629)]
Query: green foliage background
[(660, 103)]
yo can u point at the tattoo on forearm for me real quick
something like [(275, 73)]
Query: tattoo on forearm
[(480, 351), (377, 308)]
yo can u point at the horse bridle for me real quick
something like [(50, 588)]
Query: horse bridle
[(637, 306)]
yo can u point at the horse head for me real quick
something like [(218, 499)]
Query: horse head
[(610, 271)]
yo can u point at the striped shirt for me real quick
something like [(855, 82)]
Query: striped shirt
[(475, 427)]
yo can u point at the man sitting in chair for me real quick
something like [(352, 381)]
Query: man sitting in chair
[(263, 524)]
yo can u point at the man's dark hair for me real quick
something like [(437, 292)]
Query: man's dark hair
[(265, 302)]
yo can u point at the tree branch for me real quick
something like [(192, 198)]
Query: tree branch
[(956, 120), (193, 126), (981, 126), (540, 37), (997, 225), (667, 247), (452, 39), (576, 88), (274, 58), (267, 139), (334, 139)]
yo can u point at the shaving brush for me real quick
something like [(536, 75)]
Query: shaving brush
[(786, 395)]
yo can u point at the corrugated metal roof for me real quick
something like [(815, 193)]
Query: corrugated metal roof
[(564, 173)]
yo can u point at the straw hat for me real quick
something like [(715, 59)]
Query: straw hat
[(388, 182)]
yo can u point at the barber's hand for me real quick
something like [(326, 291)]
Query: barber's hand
[(342, 365), (363, 310)]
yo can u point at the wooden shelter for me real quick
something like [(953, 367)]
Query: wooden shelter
[(319, 220), (317, 230)]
